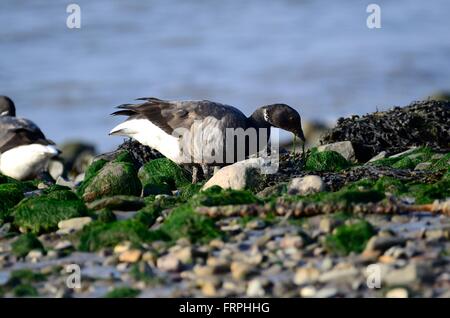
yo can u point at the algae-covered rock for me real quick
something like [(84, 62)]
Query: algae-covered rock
[(329, 161), (350, 238), (216, 196), (161, 176), (42, 214), (306, 185), (118, 202), (99, 235), (25, 243), (114, 178), (123, 292), (185, 222)]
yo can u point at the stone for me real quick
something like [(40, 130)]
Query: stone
[(291, 241), (327, 224), (403, 153), (423, 166), (380, 156), (326, 292), (55, 169), (344, 148), (409, 274), (183, 254), (4, 230), (74, 224), (397, 293), (240, 270), (118, 202), (255, 288), (339, 275), (168, 263), (130, 256), (35, 255), (63, 245), (122, 247), (256, 225), (241, 175), (379, 244), (65, 183), (209, 289), (308, 291), (306, 275), (306, 185)]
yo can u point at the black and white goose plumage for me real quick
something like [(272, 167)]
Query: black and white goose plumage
[(24, 149), (159, 123)]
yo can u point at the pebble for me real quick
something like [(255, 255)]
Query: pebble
[(130, 256), (255, 289), (339, 275), (308, 291), (397, 293), (306, 275), (344, 148), (291, 241), (423, 166), (122, 247), (402, 276), (62, 245), (240, 270), (306, 185), (326, 292), (168, 263), (74, 224)]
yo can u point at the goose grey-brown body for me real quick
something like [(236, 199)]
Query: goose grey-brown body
[(160, 123)]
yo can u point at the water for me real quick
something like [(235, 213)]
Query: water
[(317, 56)]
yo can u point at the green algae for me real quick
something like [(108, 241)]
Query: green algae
[(42, 214), (62, 195), (25, 290), (24, 276), (185, 222), (216, 196), (123, 292), (329, 161), (10, 195), (25, 243), (407, 161), (106, 216), (161, 176), (90, 173), (99, 235), (350, 238)]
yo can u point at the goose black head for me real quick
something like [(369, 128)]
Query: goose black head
[(7, 107), (284, 117)]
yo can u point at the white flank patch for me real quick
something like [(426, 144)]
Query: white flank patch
[(26, 161), (4, 113), (150, 135)]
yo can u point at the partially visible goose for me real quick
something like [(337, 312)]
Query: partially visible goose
[(24, 150), (157, 123)]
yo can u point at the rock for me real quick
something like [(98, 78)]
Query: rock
[(56, 169), (423, 166), (35, 255), (118, 202), (339, 275), (183, 254), (209, 289), (306, 185), (74, 224), (276, 189), (114, 178), (63, 245), (308, 291), (438, 234), (65, 183), (328, 224), (306, 275), (379, 244), (397, 293), (130, 256), (4, 230), (344, 148), (256, 224), (168, 263), (240, 270), (291, 242), (241, 175), (122, 247), (326, 292), (255, 288), (380, 156), (404, 153), (409, 274)]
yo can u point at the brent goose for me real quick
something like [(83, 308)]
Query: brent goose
[(157, 123), (24, 150)]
